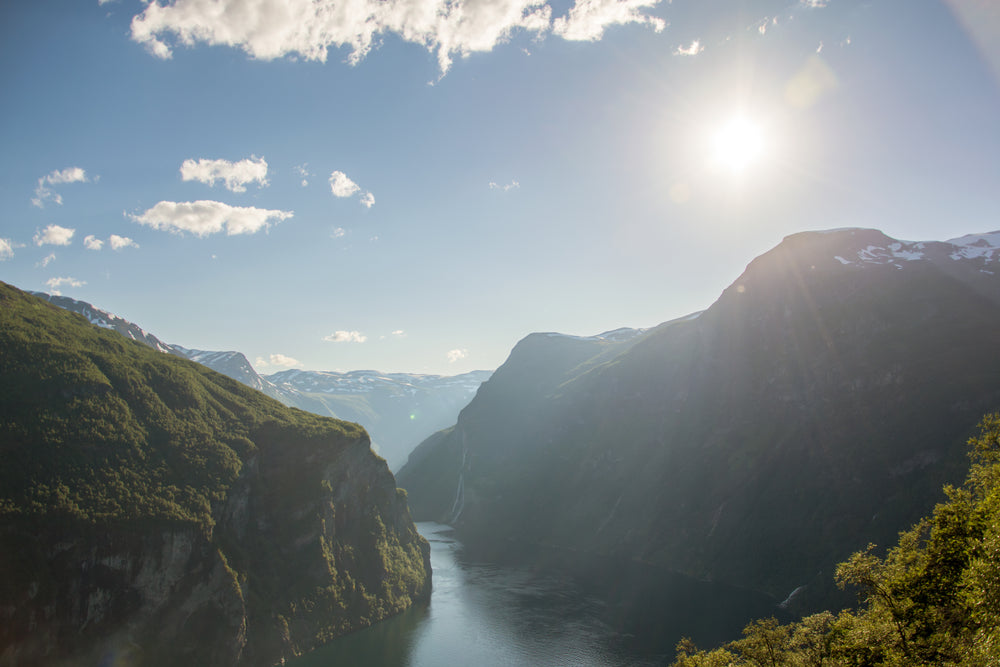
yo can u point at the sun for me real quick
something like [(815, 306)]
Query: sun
[(737, 144)]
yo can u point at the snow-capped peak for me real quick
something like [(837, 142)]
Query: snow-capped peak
[(971, 246), (881, 249)]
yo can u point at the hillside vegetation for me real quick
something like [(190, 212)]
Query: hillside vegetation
[(933, 599), (150, 502)]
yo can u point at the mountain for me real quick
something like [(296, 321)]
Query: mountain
[(106, 320), (818, 405), (237, 366), (155, 512), (398, 410)]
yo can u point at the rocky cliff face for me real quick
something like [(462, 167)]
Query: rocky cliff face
[(157, 513)]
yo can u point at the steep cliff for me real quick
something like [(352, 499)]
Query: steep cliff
[(155, 511), (817, 406)]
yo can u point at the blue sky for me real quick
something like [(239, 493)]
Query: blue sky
[(415, 185)]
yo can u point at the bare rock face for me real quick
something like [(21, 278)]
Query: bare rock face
[(145, 594), (154, 512)]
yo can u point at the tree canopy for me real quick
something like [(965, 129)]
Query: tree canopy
[(933, 599)]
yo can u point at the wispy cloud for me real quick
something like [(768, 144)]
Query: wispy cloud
[(457, 355), (45, 261), (91, 242), (202, 218), (6, 249), (268, 29), (694, 49), (54, 235), (277, 361), (513, 185), (235, 175), (44, 193), (367, 200), (346, 337), (56, 283), (338, 233), (302, 171), (588, 19)]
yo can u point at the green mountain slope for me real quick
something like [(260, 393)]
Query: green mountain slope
[(818, 405), (153, 509)]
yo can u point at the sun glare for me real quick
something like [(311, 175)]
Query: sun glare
[(737, 144)]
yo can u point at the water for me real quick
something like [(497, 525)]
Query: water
[(488, 615)]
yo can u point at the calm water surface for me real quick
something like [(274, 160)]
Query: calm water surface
[(485, 614)]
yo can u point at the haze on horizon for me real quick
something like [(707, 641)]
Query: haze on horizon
[(414, 186)]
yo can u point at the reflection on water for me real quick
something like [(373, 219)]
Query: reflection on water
[(485, 614)]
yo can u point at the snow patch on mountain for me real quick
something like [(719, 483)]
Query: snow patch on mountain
[(368, 381), (106, 320), (972, 246), (984, 247), (614, 336), (891, 253)]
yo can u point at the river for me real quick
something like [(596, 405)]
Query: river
[(484, 614)]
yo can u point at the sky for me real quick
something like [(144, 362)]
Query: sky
[(416, 185)]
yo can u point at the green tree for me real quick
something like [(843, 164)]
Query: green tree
[(933, 599)]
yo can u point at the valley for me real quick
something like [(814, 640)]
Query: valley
[(819, 405)]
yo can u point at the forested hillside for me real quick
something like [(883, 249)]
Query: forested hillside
[(154, 510)]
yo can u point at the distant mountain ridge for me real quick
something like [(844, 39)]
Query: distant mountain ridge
[(398, 410), (819, 404)]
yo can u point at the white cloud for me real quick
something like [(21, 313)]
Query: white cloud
[(457, 355), (693, 50), (44, 193), (55, 283), (235, 175), (202, 218), (6, 249), (338, 233), (814, 3), (341, 185), (68, 175), (119, 242), (48, 259), (91, 242), (513, 185), (346, 337), (268, 29), (54, 235), (587, 19), (277, 360), (399, 332)]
